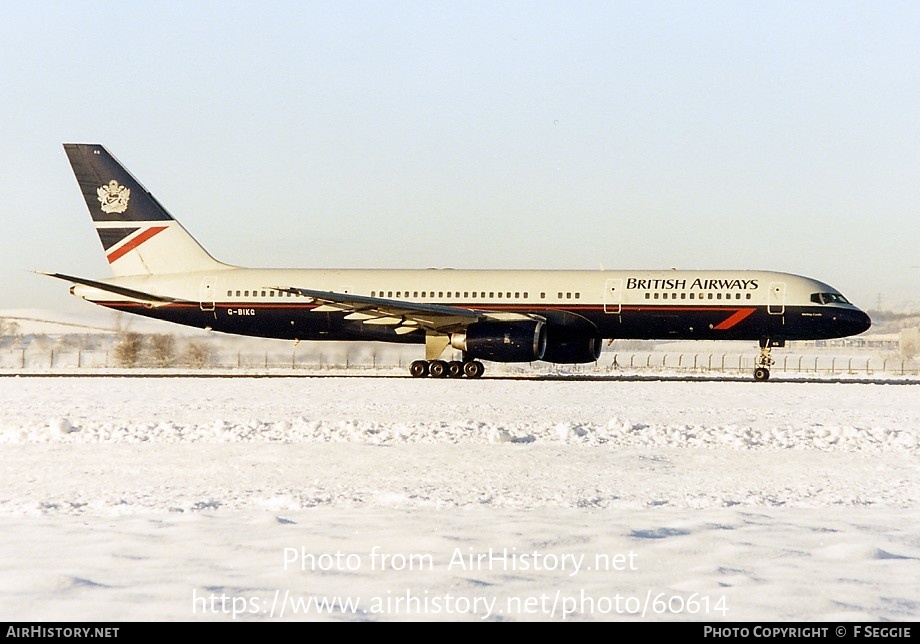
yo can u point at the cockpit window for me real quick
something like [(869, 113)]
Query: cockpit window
[(829, 298)]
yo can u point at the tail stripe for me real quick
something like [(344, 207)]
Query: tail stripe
[(113, 236), (134, 243)]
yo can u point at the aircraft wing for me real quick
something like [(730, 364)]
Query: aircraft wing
[(405, 316)]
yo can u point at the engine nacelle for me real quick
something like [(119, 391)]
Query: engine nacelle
[(502, 341), (574, 349)]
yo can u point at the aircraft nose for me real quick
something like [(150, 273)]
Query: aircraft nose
[(857, 321)]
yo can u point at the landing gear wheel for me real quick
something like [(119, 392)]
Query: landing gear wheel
[(443, 369), (473, 369), (764, 362), (437, 369)]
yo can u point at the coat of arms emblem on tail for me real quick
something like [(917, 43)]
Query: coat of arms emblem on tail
[(113, 197)]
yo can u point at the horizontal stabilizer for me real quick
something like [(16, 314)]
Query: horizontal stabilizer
[(118, 290)]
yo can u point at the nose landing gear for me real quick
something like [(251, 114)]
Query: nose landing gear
[(764, 362), (765, 359)]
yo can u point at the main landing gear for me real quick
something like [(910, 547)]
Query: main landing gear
[(765, 360), (433, 366), (445, 369)]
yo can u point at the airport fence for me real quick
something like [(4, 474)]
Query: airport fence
[(85, 362)]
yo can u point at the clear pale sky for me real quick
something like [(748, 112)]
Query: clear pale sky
[(540, 134)]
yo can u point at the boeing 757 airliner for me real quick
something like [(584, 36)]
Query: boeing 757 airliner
[(558, 316)]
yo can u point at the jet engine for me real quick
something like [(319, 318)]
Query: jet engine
[(571, 349), (523, 341)]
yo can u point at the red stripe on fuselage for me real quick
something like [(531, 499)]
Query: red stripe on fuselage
[(734, 319), (134, 243)]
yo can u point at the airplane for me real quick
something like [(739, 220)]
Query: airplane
[(556, 316)]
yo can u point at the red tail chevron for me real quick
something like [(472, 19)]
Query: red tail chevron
[(134, 242)]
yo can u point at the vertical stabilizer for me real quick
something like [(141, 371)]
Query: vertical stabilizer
[(138, 235)]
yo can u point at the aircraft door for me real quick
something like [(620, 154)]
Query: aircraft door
[(613, 296), (776, 298), (206, 292)]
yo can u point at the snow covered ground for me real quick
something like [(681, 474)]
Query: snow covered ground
[(384, 499)]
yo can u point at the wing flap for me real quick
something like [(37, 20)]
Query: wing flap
[(384, 321)]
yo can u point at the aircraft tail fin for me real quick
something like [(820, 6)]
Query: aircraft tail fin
[(138, 234)]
